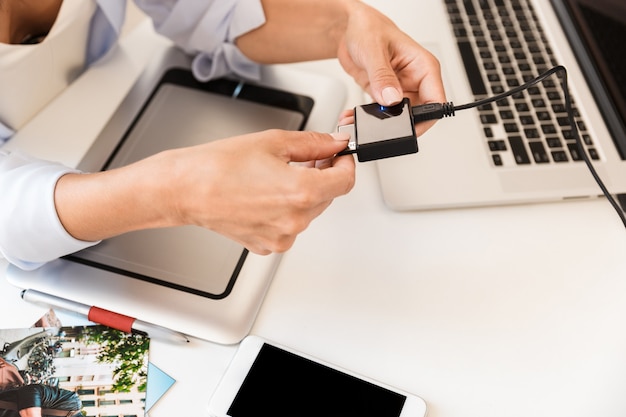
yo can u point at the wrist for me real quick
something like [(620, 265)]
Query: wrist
[(297, 31), (97, 206)]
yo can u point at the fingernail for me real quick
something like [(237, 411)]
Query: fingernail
[(391, 96), (341, 136)]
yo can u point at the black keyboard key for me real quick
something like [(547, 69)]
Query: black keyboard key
[(469, 7), (512, 82), (538, 60), (507, 70), (531, 133), (574, 152), (484, 4), (497, 145), (507, 115), (503, 102), (519, 150), (548, 129), (460, 33), (527, 120), (562, 121), (522, 107), (525, 67), (553, 142), (534, 91), (544, 116), (471, 67), (538, 103), (511, 127), (539, 152), (554, 96), (559, 156), (488, 119)]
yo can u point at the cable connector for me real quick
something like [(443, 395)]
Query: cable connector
[(386, 131), (432, 111)]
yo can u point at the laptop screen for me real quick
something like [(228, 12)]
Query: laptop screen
[(597, 29)]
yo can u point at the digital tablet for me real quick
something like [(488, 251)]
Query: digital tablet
[(182, 112)]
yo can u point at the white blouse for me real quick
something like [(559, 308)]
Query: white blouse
[(31, 75)]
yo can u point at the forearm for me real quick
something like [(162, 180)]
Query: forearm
[(101, 205), (298, 30), (386, 62)]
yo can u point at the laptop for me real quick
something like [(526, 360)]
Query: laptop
[(188, 279), (521, 149)]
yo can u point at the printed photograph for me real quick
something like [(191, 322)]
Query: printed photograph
[(80, 371)]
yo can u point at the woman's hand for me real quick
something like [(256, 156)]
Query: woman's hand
[(382, 59), (387, 63), (260, 190), (248, 188)]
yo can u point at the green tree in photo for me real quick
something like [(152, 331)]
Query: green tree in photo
[(129, 352)]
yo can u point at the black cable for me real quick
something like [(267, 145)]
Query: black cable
[(434, 111)]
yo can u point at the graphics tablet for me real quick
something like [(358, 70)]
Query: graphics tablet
[(185, 278)]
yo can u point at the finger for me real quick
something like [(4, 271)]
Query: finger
[(346, 118), (306, 164), (384, 85), (338, 178), (431, 91), (346, 113), (311, 146), (324, 163)]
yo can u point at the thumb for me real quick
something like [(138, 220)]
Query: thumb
[(384, 85), (311, 146)]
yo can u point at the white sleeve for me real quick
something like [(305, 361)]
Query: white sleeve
[(208, 29), (31, 233)]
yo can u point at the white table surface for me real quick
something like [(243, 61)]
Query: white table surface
[(508, 311)]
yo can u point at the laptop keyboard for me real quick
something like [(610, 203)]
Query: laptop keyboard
[(503, 46)]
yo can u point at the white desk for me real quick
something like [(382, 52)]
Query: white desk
[(511, 311)]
